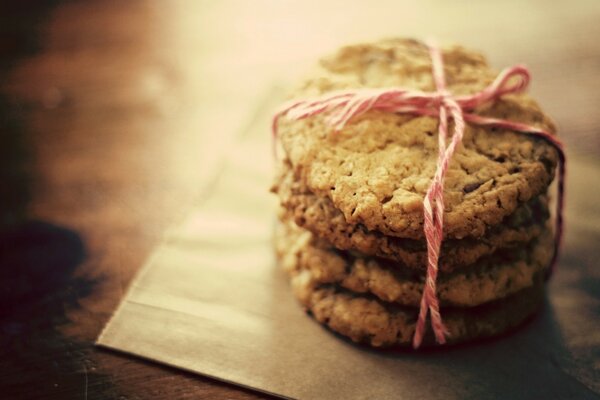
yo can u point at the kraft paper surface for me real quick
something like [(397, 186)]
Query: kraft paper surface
[(212, 301)]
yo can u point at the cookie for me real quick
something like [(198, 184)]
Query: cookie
[(365, 319), (328, 223), (377, 169), (494, 277)]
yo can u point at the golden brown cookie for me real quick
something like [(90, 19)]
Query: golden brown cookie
[(378, 167), (318, 215), (365, 319), (494, 277)]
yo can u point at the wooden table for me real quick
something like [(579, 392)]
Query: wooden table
[(114, 114)]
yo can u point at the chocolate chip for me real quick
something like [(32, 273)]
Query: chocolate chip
[(471, 187), (548, 164)]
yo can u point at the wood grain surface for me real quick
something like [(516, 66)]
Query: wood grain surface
[(113, 118)]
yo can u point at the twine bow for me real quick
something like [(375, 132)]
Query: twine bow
[(342, 106)]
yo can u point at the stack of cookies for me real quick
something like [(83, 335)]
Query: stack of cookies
[(351, 217)]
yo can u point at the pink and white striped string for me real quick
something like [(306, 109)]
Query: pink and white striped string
[(342, 106)]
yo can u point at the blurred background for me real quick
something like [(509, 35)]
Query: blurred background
[(114, 116)]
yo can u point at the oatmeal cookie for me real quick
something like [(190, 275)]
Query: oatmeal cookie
[(365, 319), (494, 277), (377, 169), (318, 215)]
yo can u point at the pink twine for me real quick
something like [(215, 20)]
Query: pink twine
[(344, 105)]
